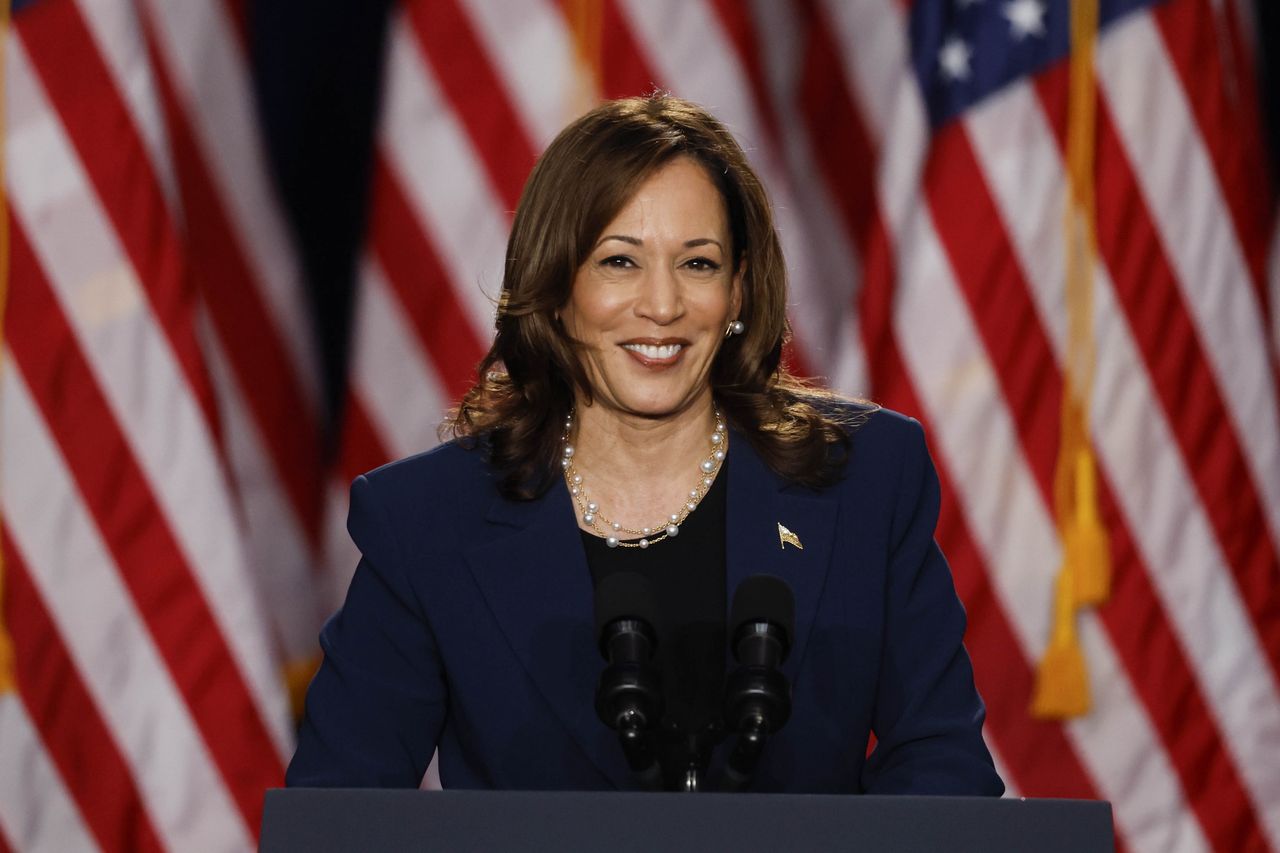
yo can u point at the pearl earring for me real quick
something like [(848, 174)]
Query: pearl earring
[(737, 327)]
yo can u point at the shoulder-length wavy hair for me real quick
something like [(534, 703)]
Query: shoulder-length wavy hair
[(525, 390)]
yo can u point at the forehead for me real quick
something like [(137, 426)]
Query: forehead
[(679, 195)]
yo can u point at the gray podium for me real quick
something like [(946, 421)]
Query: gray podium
[(322, 820)]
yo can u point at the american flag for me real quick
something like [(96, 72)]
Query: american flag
[(160, 493), (160, 479)]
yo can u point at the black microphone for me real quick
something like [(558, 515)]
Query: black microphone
[(757, 698), (629, 694)]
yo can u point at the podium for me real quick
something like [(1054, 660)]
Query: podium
[(374, 820)]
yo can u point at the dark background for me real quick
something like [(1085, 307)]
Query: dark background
[(317, 68)]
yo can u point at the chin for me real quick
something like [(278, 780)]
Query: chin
[(656, 407)]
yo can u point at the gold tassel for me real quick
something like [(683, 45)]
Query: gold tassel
[(1062, 684), (1086, 546), (1084, 578)]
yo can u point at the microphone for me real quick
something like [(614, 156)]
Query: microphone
[(629, 693), (757, 695)]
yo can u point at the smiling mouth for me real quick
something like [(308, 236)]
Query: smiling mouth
[(655, 352)]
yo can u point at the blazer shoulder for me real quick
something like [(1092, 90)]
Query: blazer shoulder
[(885, 445), (435, 490), (450, 463)]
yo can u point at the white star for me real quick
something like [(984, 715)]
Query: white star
[(1026, 18), (954, 58)]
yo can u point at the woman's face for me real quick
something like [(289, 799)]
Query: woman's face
[(653, 299)]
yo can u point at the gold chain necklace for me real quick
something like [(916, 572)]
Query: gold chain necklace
[(611, 530)]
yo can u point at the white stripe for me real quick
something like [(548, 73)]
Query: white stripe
[(878, 71), (430, 154), (1006, 513), (820, 304), (138, 373), (36, 810), (1187, 569), (1180, 188), (105, 637), (114, 26), (524, 36), (280, 558), (693, 55), (403, 398), (208, 71)]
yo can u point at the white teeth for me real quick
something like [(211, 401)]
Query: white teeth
[(654, 352)]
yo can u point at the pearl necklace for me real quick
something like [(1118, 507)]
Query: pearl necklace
[(594, 518)]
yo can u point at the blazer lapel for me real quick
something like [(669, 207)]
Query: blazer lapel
[(533, 574), (758, 502)]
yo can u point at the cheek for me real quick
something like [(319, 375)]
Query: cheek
[(588, 318)]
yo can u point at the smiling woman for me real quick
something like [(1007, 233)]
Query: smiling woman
[(635, 385)]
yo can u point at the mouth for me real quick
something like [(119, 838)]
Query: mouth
[(652, 353)]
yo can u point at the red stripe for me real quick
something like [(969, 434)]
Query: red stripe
[(987, 272), (101, 129), (72, 731), (238, 15), (459, 62), (1226, 106), (624, 71), (1147, 289), (285, 418), (150, 561), (1224, 103), (418, 279), (362, 448), (739, 26), (840, 141)]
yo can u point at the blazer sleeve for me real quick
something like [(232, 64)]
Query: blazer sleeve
[(376, 706), (928, 715)]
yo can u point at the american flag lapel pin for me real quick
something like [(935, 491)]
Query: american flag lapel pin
[(786, 537)]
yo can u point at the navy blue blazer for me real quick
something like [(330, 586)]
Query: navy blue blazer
[(468, 628)]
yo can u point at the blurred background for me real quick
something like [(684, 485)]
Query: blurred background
[(251, 249)]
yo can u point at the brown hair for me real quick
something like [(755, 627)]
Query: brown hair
[(525, 389)]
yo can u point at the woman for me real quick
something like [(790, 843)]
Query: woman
[(635, 384)]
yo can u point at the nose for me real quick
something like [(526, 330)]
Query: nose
[(660, 298)]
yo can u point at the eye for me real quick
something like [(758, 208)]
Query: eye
[(617, 262), (701, 264)]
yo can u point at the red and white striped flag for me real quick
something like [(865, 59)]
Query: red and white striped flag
[(160, 486), (160, 478), (918, 155)]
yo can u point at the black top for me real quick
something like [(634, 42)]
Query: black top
[(687, 573)]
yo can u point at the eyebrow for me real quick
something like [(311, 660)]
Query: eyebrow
[(688, 244)]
